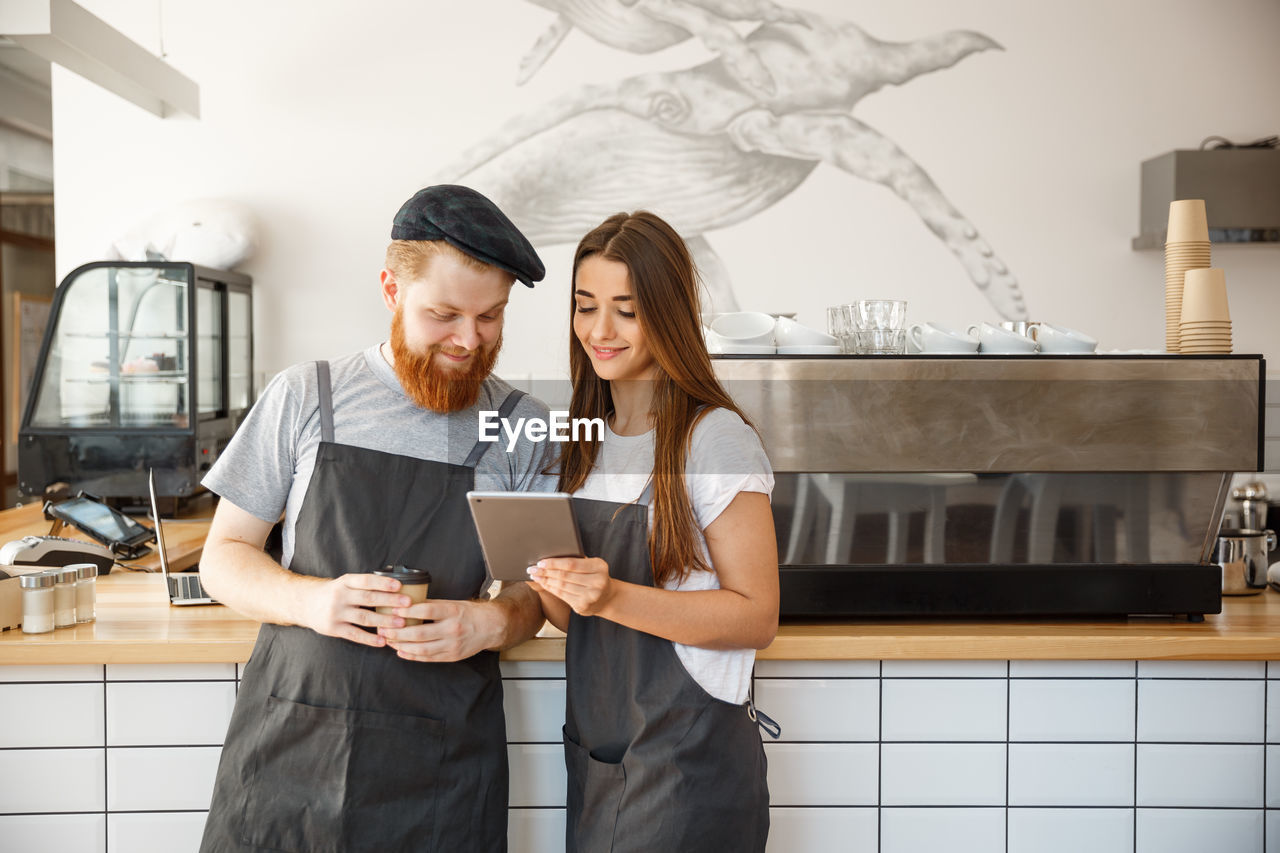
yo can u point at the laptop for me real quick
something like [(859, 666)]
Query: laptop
[(184, 587)]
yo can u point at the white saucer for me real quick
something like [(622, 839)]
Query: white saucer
[(747, 349), (813, 349)]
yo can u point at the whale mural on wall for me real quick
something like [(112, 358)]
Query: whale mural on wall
[(712, 145)]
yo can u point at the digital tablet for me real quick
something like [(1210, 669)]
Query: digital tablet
[(517, 529), (104, 524)]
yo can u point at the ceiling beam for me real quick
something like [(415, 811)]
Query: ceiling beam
[(63, 32), (25, 104)]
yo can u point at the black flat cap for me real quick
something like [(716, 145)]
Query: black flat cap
[(468, 221)]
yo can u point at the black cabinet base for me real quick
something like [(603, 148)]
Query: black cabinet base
[(1080, 589)]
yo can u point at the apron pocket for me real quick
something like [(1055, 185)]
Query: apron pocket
[(594, 795), (330, 779)]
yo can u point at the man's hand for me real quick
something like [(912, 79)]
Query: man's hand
[(339, 607), (454, 630)]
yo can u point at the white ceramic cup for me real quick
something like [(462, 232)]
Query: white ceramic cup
[(789, 333), (748, 328), (995, 339), (931, 337), (1053, 338)]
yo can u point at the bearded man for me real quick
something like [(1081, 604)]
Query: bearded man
[(352, 731)]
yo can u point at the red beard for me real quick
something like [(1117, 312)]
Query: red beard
[(440, 389)]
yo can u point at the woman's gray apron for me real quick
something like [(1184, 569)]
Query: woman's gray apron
[(336, 746), (654, 761)]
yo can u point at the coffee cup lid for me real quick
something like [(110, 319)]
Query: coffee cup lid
[(404, 574)]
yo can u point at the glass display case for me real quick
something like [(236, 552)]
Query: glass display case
[(143, 365)]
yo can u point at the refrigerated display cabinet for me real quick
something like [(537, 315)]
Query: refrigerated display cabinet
[(143, 365)]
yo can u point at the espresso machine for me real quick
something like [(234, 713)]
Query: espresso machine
[(981, 485)]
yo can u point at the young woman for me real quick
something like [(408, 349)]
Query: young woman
[(681, 583)]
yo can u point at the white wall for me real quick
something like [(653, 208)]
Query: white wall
[(324, 117)]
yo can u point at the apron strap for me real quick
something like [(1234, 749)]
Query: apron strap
[(760, 718), (507, 407), (473, 459), (326, 401)]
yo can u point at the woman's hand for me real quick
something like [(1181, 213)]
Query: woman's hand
[(583, 583)]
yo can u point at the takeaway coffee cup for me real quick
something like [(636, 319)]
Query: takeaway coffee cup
[(414, 583), (1243, 556)]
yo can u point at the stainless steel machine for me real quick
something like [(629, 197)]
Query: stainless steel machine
[(1001, 485)]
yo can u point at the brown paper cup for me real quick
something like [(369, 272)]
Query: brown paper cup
[(1204, 296), (1187, 221)]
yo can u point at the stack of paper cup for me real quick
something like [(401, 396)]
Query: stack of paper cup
[(1186, 248), (1206, 322)]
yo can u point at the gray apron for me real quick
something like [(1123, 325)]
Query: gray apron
[(336, 746), (654, 761)]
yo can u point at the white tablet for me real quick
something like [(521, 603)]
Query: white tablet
[(517, 529)]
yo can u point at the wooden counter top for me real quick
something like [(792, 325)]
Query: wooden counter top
[(136, 624)]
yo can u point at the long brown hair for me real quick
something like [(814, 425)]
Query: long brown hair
[(664, 296)]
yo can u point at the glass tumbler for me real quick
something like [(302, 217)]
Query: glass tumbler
[(880, 314), (881, 341)]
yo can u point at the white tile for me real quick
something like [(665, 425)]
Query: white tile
[(945, 668), (1273, 671), (822, 710), (1198, 776), (1072, 669), (56, 672), (535, 830), (51, 780), (1273, 713), (1076, 774), (531, 668), (1273, 832), (1201, 669), (817, 669), (1203, 711), (169, 713), (934, 830), (66, 833), (51, 715), (535, 710), (537, 774), (1273, 778), (944, 709), (942, 774), (171, 671), (817, 774), (1070, 830), (821, 830), (1271, 453), (1070, 710), (158, 778), (1196, 831), (176, 832)]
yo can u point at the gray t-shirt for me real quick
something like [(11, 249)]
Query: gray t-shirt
[(267, 466)]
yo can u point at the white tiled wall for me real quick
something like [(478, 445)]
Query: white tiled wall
[(892, 757)]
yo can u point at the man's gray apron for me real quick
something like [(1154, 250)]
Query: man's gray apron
[(336, 746), (654, 761)]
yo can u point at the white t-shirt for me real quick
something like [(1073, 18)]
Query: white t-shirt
[(725, 458)]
